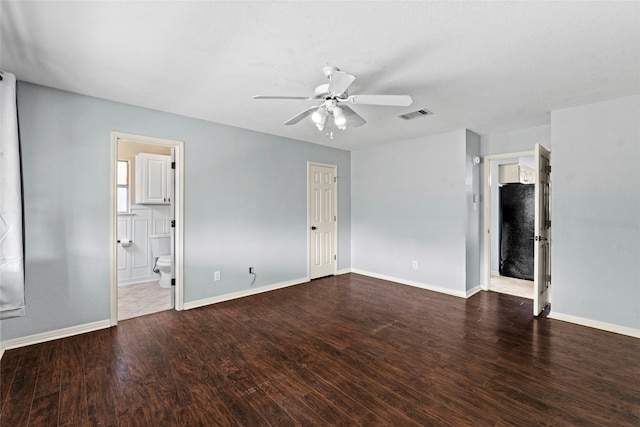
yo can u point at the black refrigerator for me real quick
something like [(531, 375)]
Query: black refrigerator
[(517, 225)]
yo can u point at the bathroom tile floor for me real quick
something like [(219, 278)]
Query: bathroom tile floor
[(142, 298), (512, 286)]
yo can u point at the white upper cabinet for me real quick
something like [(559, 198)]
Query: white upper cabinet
[(514, 173), (152, 179)]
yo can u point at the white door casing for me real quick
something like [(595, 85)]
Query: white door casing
[(486, 202), (322, 219), (178, 231), (541, 251)]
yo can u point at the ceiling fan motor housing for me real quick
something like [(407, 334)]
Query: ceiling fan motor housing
[(329, 70)]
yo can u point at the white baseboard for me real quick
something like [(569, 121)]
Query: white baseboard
[(468, 293), (137, 280), (471, 292), (53, 335), (240, 294), (461, 294), (609, 327)]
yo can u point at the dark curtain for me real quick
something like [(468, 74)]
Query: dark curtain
[(517, 226)]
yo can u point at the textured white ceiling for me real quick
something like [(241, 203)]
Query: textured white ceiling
[(486, 66)]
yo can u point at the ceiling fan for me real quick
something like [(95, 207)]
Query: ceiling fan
[(334, 98)]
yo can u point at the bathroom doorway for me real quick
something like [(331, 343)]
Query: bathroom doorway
[(146, 225)]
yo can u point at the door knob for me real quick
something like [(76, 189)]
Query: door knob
[(314, 227)]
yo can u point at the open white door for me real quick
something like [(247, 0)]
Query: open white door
[(541, 253), (172, 222), (322, 220)]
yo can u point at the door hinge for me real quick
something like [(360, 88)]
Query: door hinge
[(335, 257), (335, 218), (547, 223), (173, 165), (173, 282), (335, 179), (548, 169), (173, 223)]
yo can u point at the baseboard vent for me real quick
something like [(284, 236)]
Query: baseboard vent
[(415, 114)]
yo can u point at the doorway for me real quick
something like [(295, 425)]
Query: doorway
[(516, 246), (322, 219), (146, 216)]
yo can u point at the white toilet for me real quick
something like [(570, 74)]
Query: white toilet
[(161, 251)]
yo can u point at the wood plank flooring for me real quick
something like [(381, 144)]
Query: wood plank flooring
[(346, 350)]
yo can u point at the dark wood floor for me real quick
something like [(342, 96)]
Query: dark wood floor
[(346, 350)]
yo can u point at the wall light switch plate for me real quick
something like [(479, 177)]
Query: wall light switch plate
[(216, 276)]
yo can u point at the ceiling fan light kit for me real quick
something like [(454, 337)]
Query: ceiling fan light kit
[(338, 117), (319, 117), (334, 95)]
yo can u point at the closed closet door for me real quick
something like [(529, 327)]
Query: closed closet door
[(322, 212)]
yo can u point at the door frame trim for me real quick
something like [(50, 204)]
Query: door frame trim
[(178, 198), (486, 191), (335, 223)]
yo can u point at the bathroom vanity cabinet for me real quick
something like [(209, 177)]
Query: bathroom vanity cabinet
[(152, 179)]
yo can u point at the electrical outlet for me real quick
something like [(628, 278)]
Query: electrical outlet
[(251, 270), (216, 276), (414, 264)]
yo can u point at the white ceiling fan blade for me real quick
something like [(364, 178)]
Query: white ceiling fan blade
[(340, 82), (353, 118), (280, 97), (391, 100), (295, 119)]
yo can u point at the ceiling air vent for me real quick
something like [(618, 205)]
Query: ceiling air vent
[(416, 114)]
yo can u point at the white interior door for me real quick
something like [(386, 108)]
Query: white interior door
[(322, 213), (172, 220), (541, 252)]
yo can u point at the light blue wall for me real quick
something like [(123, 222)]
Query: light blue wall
[(472, 185), (245, 204), (408, 203), (517, 140), (595, 253)]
